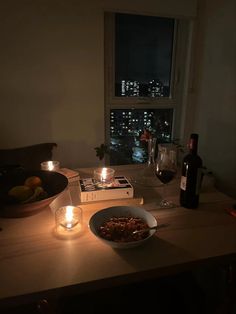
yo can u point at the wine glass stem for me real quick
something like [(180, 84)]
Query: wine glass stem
[(164, 192), (164, 202)]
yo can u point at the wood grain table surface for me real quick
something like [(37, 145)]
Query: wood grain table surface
[(34, 263)]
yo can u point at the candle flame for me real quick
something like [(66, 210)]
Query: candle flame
[(50, 165), (104, 174), (69, 216)]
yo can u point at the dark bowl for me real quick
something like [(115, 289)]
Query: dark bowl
[(52, 182)]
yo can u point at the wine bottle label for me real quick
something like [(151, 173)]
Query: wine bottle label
[(183, 183), (199, 180)]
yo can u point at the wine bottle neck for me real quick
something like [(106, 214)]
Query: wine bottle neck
[(193, 145)]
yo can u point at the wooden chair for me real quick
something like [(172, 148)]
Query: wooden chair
[(28, 157)]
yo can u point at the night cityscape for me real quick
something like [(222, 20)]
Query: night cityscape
[(126, 127), (129, 88), (143, 66)]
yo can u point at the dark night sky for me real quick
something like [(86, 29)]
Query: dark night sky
[(143, 47)]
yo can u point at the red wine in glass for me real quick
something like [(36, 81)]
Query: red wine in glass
[(165, 176), (165, 170)]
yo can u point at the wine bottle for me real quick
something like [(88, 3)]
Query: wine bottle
[(191, 175)]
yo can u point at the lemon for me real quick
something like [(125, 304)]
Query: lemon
[(20, 192), (33, 182)]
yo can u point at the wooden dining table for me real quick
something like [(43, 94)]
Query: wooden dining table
[(35, 264)]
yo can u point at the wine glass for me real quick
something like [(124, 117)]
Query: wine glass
[(165, 170)]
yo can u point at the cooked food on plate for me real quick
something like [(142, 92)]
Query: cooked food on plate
[(120, 229)]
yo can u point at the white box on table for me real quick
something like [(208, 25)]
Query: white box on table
[(90, 192)]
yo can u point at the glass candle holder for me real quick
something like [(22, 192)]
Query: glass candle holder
[(104, 176), (50, 165), (68, 221)]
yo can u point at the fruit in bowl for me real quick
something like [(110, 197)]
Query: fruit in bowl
[(20, 192), (31, 191), (24, 193), (33, 182)]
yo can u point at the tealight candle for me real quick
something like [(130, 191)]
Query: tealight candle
[(104, 176), (50, 165), (68, 220)]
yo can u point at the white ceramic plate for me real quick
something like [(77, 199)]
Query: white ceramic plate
[(121, 211)]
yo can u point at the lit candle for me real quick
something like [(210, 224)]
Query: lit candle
[(69, 217), (50, 165), (68, 220), (104, 175)]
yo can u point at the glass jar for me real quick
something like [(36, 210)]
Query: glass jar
[(147, 175)]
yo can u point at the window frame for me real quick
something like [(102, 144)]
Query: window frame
[(178, 69)]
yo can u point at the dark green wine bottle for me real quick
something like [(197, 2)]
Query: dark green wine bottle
[(191, 175)]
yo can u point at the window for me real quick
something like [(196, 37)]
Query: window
[(126, 125), (143, 87), (143, 55)]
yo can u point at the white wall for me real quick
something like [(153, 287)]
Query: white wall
[(215, 118), (52, 78), (51, 61)]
